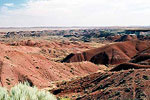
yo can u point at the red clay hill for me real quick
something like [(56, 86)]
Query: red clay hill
[(121, 85), (141, 60), (126, 38), (121, 38), (126, 81), (116, 53), (54, 50), (26, 63)]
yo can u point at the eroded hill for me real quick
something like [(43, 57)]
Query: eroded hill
[(122, 85), (26, 63), (110, 54)]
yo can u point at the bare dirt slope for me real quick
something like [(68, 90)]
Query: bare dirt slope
[(129, 80), (122, 85), (110, 54), (127, 38), (54, 50), (141, 60), (27, 63)]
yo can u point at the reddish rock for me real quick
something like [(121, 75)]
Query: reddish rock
[(126, 66), (113, 38), (25, 63), (121, 85), (126, 38), (110, 54)]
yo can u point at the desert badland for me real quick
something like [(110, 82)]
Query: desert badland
[(97, 63)]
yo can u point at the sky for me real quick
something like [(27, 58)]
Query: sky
[(36, 13)]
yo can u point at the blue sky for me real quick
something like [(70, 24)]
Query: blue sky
[(26, 13), (15, 2)]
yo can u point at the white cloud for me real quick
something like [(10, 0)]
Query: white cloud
[(9, 4), (77, 13)]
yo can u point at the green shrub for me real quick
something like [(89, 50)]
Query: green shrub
[(3, 94), (25, 92)]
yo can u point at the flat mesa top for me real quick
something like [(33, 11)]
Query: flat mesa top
[(12, 29)]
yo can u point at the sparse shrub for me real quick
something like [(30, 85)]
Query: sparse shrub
[(3, 94), (25, 92), (127, 90), (145, 77), (6, 57)]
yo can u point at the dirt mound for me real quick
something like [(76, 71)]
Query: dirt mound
[(110, 54), (141, 60), (146, 51), (128, 84), (53, 50), (113, 38), (126, 66), (53, 44), (126, 38), (141, 57), (25, 63), (24, 43)]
